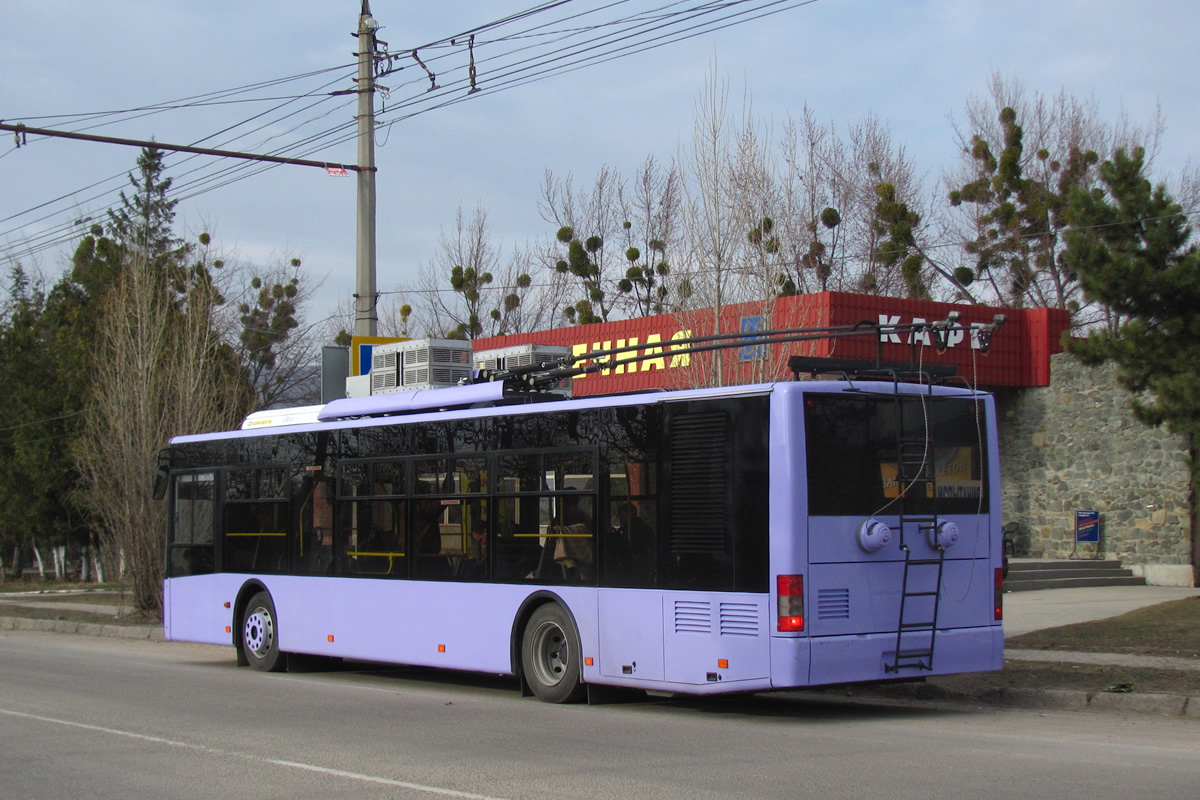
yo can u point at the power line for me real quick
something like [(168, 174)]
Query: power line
[(512, 78), (194, 101), (562, 46), (68, 231)]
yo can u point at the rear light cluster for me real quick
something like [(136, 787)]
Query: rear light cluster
[(790, 589), (998, 594)]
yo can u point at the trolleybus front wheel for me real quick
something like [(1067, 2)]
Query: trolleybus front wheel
[(259, 635), (550, 656)]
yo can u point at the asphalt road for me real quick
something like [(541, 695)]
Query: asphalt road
[(84, 717)]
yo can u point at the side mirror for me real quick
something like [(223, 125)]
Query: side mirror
[(162, 474)]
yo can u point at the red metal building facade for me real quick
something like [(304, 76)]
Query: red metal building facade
[(1018, 356)]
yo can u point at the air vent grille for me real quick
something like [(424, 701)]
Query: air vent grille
[(693, 616), (739, 619), (833, 604), (700, 481)]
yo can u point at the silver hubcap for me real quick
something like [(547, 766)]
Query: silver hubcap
[(259, 632), (552, 656)]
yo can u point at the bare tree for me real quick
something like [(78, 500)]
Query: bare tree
[(1023, 154), (589, 226), (265, 324), (456, 284), (469, 290), (734, 254), (650, 231), (815, 195), (161, 369)]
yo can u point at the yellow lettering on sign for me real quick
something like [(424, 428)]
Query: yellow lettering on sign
[(681, 359), (653, 363), (577, 350), (614, 365), (623, 368)]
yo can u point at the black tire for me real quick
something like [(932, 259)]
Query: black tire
[(260, 635), (550, 656)]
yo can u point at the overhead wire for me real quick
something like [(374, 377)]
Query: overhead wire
[(451, 95), (68, 231), (617, 38), (193, 101), (323, 140), (514, 77)]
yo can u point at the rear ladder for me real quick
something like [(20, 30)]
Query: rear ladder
[(920, 590)]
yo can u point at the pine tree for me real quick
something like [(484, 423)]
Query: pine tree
[(37, 421), (1129, 245), (144, 223)]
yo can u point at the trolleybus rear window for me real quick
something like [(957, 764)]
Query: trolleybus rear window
[(855, 443)]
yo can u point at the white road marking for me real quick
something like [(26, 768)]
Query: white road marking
[(337, 773)]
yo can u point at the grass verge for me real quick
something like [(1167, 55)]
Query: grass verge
[(107, 604), (1168, 629)]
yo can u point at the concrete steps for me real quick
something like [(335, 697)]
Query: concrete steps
[(1029, 574)]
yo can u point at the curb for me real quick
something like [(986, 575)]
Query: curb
[(152, 633), (1166, 705)]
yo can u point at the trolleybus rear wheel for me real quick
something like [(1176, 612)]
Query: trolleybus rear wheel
[(259, 635), (550, 655)]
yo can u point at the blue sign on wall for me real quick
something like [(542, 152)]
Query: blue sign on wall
[(1087, 526), (752, 352)]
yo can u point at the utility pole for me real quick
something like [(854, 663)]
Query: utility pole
[(366, 298)]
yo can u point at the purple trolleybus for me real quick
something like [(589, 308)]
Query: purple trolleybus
[(702, 541)]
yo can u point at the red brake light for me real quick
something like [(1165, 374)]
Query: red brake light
[(790, 591), (998, 594)]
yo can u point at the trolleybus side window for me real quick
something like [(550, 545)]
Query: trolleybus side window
[(373, 519), (313, 547), (631, 461), (518, 537), (546, 517), (254, 520)]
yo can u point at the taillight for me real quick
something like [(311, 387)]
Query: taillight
[(790, 589), (998, 594)]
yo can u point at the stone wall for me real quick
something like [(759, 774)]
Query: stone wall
[(1075, 445)]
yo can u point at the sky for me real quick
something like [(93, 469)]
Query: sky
[(912, 63)]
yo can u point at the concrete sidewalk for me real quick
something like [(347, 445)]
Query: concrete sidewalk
[(1052, 608)]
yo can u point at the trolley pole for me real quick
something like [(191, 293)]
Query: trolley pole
[(366, 297)]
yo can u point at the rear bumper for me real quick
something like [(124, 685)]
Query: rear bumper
[(818, 660)]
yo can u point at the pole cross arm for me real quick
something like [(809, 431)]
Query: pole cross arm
[(24, 130)]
